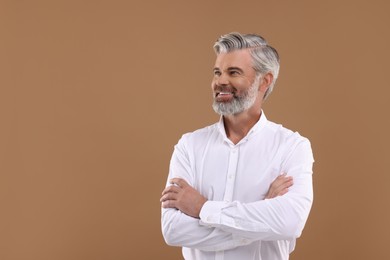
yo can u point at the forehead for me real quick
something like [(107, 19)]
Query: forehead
[(238, 58)]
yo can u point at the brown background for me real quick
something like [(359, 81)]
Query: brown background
[(94, 94)]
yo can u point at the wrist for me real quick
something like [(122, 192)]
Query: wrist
[(201, 202)]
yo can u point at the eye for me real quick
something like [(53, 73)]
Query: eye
[(234, 72), (217, 73)]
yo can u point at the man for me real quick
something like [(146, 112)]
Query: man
[(226, 197)]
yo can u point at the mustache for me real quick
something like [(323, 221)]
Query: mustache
[(225, 89)]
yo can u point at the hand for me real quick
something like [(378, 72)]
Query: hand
[(182, 196), (279, 186)]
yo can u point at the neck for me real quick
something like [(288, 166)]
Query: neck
[(237, 126)]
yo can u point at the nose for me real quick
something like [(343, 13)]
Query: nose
[(221, 80)]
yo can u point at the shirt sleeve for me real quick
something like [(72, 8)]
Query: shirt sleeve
[(279, 218), (179, 229)]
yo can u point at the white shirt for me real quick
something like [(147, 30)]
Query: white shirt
[(237, 222)]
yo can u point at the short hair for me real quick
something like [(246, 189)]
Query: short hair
[(265, 57)]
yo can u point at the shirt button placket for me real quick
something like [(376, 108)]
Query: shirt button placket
[(231, 174)]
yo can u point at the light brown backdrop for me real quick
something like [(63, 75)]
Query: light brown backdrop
[(94, 94)]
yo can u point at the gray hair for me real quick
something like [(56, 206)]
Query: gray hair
[(265, 58)]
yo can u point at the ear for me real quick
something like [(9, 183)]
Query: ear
[(266, 82)]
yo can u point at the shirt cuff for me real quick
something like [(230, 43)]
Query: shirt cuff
[(210, 214)]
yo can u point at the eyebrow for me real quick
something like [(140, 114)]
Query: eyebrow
[(229, 69), (235, 68)]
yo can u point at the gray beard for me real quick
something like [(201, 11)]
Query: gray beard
[(239, 103)]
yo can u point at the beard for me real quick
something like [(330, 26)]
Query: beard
[(239, 103)]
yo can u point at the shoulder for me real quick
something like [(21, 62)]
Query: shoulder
[(288, 141), (199, 136), (284, 134)]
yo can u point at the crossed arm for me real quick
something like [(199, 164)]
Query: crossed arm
[(182, 196), (181, 206), (190, 220)]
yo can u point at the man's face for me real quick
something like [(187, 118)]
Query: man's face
[(235, 85)]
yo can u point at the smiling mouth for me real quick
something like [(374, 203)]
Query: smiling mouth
[(224, 96), (223, 93)]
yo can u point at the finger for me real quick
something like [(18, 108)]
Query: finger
[(169, 196), (282, 181), (288, 183), (283, 188), (179, 182), (278, 180), (168, 204), (171, 188), (283, 192), (277, 193), (281, 176), (283, 184)]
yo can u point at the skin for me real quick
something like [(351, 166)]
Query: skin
[(234, 74), (279, 186)]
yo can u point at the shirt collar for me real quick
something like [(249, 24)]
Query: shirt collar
[(256, 128)]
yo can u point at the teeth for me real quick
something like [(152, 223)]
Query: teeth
[(225, 93)]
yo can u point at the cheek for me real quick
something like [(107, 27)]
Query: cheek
[(212, 85), (240, 85)]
